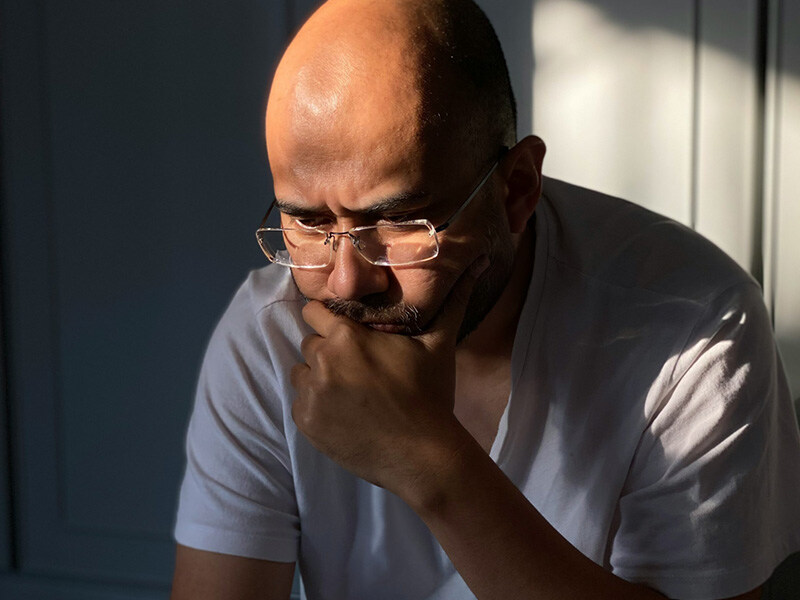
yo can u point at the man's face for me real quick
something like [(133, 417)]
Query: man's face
[(341, 145), (410, 182)]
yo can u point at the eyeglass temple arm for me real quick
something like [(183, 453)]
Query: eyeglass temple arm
[(266, 216), (474, 193)]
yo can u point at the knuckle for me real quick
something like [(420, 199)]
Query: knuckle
[(345, 332), (299, 412), (306, 345), (304, 415), (297, 375)]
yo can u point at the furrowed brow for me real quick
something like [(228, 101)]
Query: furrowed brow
[(380, 207), (295, 210), (397, 203)]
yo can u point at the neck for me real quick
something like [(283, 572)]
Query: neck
[(494, 337)]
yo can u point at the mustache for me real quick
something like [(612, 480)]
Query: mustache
[(364, 311)]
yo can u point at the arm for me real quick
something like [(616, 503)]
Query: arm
[(201, 575), (500, 544), (237, 497), (396, 429)]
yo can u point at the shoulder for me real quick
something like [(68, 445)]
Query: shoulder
[(267, 304), (239, 470), (657, 298), (625, 245), (270, 290), (259, 333)]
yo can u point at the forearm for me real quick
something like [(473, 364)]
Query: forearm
[(202, 575), (498, 542)]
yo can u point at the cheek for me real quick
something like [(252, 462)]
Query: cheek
[(419, 286), (312, 284)]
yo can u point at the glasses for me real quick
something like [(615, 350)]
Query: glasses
[(386, 245)]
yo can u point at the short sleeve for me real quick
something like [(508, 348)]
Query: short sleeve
[(709, 507), (237, 495)]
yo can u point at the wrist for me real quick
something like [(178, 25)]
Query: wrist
[(445, 461)]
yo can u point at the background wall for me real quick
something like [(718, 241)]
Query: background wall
[(134, 173)]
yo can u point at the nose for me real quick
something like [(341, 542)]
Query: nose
[(353, 276)]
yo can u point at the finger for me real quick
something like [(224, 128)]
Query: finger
[(298, 374), (319, 317), (446, 324), (309, 346)]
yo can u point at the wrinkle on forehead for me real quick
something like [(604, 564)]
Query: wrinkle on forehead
[(351, 185)]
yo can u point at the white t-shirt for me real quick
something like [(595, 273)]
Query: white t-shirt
[(649, 422)]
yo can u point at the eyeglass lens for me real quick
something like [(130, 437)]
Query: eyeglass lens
[(396, 244)]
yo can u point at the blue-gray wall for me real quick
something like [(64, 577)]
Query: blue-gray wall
[(133, 176)]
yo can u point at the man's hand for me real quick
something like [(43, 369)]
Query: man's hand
[(378, 403)]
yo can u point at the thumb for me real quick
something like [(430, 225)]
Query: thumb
[(447, 322)]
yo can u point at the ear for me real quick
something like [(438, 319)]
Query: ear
[(522, 170)]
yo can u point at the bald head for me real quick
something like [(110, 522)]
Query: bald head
[(391, 72)]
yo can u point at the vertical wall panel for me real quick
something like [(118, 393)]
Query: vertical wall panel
[(785, 235), (24, 210), (135, 175), (5, 432), (613, 97), (727, 154)]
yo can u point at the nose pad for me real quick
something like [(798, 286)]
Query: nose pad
[(358, 244), (333, 239)]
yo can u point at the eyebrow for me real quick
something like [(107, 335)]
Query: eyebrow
[(378, 208)]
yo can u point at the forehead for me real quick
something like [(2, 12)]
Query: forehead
[(355, 167), (339, 138), (359, 104), (368, 187)]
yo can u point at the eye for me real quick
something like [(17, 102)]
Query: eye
[(312, 222), (397, 218)]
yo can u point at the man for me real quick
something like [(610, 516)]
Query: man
[(455, 383)]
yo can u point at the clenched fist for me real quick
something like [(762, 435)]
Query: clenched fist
[(381, 404)]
